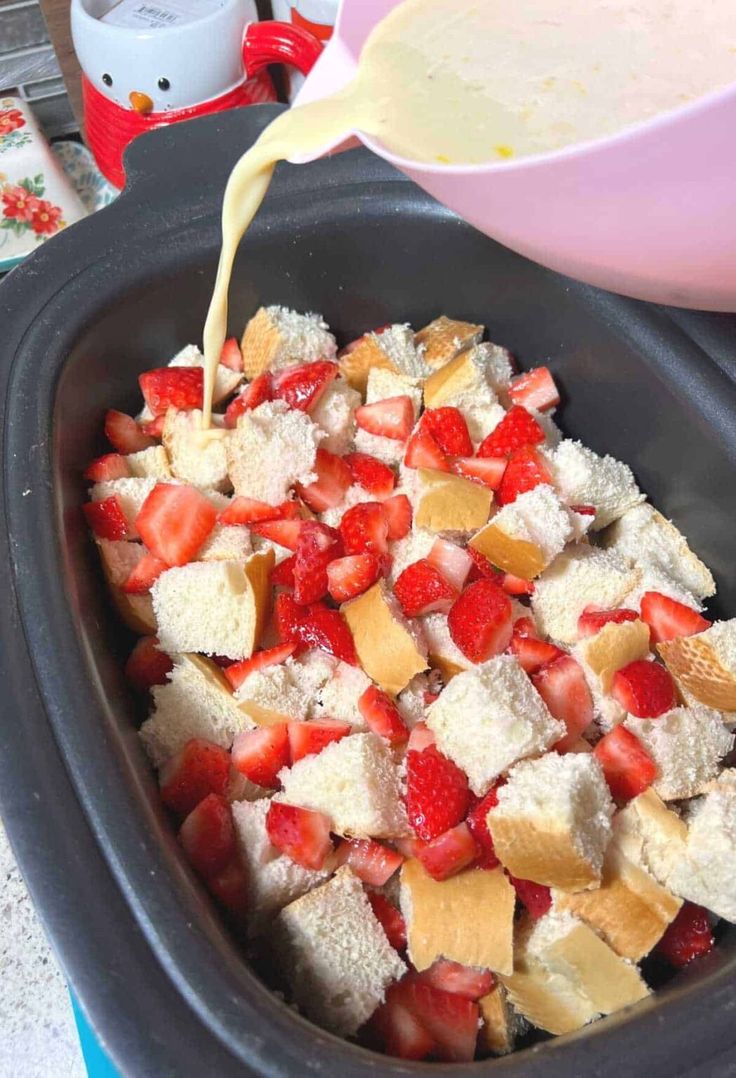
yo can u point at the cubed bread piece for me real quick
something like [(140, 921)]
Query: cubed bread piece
[(413, 547), (334, 413), (579, 576), (383, 384), (196, 701), (226, 380), (442, 651), (500, 1024), (393, 349), (272, 448), (615, 646), (214, 607), (470, 383), (651, 835), (584, 478), (353, 781), (687, 745), (132, 493), (197, 456), (285, 691), (444, 338), (652, 578), (277, 337), (552, 823), (412, 702), (334, 954), (489, 717), (449, 503), (226, 542), (390, 647), (152, 463), (705, 874), (704, 665), (119, 558), (338, 696), (524, 537), (468, 918)]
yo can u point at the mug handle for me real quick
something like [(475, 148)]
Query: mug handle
[(272, 42)]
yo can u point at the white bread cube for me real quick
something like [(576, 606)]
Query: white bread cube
[(705, 874), (355, 782), (411, 702), (523, 537), (413, 547), (687, 745), (226, 380), (132, 494), (390, 647), (498, 364), (335, 955), (152, 463), (272, 448), (442, 651), (584, 478), (338, 696), (278, 337), (704, 666), (470, 383), (334, 413), (383, 384), (552, 823), (444, 338), (489, 717), (651, 835), (226, 542), (393, 350), (285, 691), (197, 456), (119, 558)]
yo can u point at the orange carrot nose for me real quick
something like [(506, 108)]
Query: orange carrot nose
[(142, 103)]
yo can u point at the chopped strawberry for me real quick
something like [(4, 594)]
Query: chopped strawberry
[(199, 768), (106, 518), (236, 673), (372, 862), (644, 689), (422, 451), (208, 836), (466, 981), (364, 529), (231, 356), (591, 621), (283, 532), (144, 575), (480, 621), (147, 665), (174, 521), (535, 389), (477, 822), (687, 937), (316, 547), (249, 511), (315, 626), (154, 428), (532, 653), (261, 753), (283, 573), (351, 576), (422, 589), (230, 887), (420, 737), (534, 896), (668, 619), (124, 434), (303, 835), (525, 627), (333, 479), (398, 1032), (628, 767), (486, 470), (565, 691), (309, 738), (390, 418), (517, 429), (398, 513), (172, 387), (371, 474), (525, 470), (449, 853), (256, 392), (452, 561), (482, 568), (301, 387), (515, 585), (103, 469), (382, 716), (418, 1021), (437, 793), (390, 919), (449, 430)]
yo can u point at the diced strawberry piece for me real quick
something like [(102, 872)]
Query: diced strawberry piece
[(525, 470), (372, 862), (309, 738), (382, 716), (154, 428), (565, 691), (147, 665), (422, 451), (486, 470), (199, 768), (449, 853), (261, 753), (422, 589), (399, 1033), (371, 474), (106, 518), (465, 981), (389, 418), (518, 428), (303, 835), (231, 356), (398, 513), (364, 529), (283, 574), (236, 673), (208, 836), (351, 576), (144, 575), (391, 921), (230, 887), (301, 387), (480, 621), (124, 434), (437, 793), (249, 511), (591, 621), (628, 767), (535, 389), (450, 1019), (534, 896), (174, 521), (644, 689), (333, 479), (532, 653), (668, 619), (449, 430), (172, 387), (687, 937), (283, 532), (477, 822), (315, 626), (420, 737), (515, 585), (482, 568), (316, 547), (452, 561), (103, 469), (256, 392), (525, 627)]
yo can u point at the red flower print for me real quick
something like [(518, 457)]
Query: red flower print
[(19, 204), (10, 120), (45, 219)]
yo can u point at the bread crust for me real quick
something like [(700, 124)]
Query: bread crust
[(386, 650), (614, 647), (516, 556), (699, 672), (450, 503), (444, 338)]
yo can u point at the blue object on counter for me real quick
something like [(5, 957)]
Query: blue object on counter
[(96, 1060)]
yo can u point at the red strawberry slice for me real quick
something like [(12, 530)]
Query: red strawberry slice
[(480, 621), (535, 389), (592, 620), (249, 511), (231, 356), (482, 568), (236, 673), (565, 691), (398, 1032), (525, 627), (256, 392), (382, 716), (517, 429), (668, 619), (390, 919), (372, 862), (535, 897), (351, 576), (154, 428), (283, 573), (525, 470), (106, 518), (208, 836), (515, 585), (422, 589), (421, 736), (645, 689), (309, 738), (449, 430), (422, 451), (371, 474), (230, 887), (417, 1021), (477, 822), (533, 654), (437, 793), (333, 479), (261, 753), (486, 470), (316, 547), (283, 532), (398, 513), (314, 626), (628, 767), (110, 466), (172, 387), (364, 529), (301, 834), (452, 561), (124, 434), (199, 768), (301, 387), (689, 936), (144, 575), (465, 981), (174, 521), (449, 853), (147, 665), (389, 418)]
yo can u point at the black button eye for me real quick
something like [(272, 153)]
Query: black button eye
[(164, 84), (107, 79)]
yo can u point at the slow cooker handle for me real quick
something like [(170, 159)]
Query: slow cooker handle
[(272, 42)]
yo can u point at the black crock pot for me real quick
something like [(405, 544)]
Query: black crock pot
[(158, 976)]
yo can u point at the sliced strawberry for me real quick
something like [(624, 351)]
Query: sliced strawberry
[(532, 653), (236, 673), (687, 937), (261, 753), (421, 737), (452, 561), (333, 479), (316, 547), (230, 887), (535, 897), (249, 511), (372, 862), (351, 576), (644, 689), (592, 620), (106, 518), (103, 469), (256, 392), (199, 768), (283, 573), (144, 575), (390, 919), (668, 619), (422, 451), (418, 1021), (535, 389), (172, 387), (382, 716), (628, 767), (364, 529), (124, 434), (389, 418), (283, 532), (437, 793), (449, 853), (565, 691), (486, 470), (314, 626), (422, 589), (301, 387), (525, 627), (154, 428), (477, 822), (465, 981), (515, 585), (482, 568), (174, 521), (208, 836), (480, 621), (398, 513), (398, 1032), (303, 835), (371, 474), (525, 470), (517, 429), (309, 738), (231, 356), (147, 665), (449, 430)]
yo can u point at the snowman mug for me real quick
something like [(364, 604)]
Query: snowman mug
[(137, 78)]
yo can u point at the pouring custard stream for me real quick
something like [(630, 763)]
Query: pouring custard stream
[(468, 82)]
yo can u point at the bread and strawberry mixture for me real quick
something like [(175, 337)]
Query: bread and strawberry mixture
[(434, 704)]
